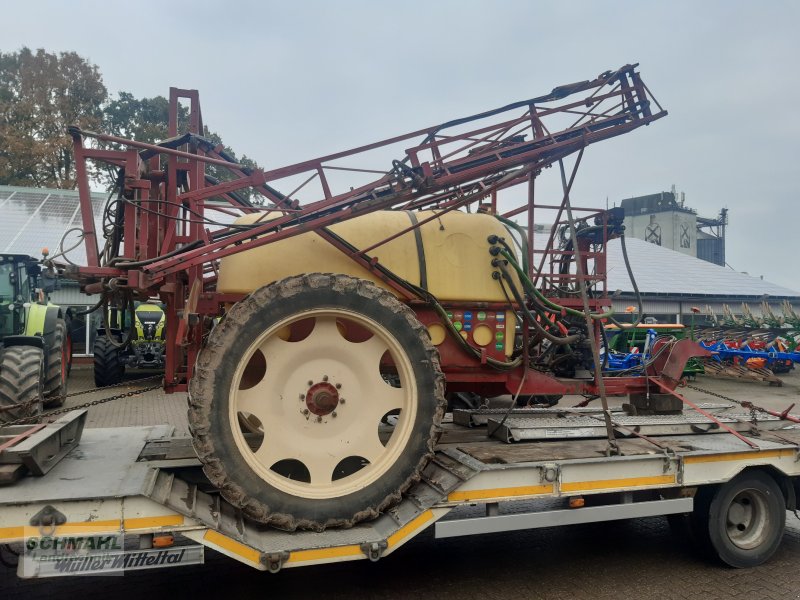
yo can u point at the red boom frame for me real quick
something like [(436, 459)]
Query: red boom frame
[(165, 248)]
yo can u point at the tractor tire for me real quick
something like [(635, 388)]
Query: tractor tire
[(59, 357), (21, 377), (341, 395), (108, 368)]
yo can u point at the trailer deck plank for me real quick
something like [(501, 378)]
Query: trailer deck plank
[(102, 466), (499, 453)]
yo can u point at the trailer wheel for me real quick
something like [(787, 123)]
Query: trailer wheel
[(316, 402), (21, 377), (742, 521), (108, 368), (59, 357)]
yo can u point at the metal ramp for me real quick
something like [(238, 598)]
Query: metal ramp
[(39, 447), (271, 549)]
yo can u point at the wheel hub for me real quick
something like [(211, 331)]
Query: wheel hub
[(322, 398), (748, 519)]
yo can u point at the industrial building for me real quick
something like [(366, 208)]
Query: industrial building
[(665, 221)]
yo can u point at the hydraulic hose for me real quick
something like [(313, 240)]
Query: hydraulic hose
[(633, 283), (523, 239), (561, 341), (530, 288)]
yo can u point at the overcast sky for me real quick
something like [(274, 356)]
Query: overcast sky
[(286, 81)]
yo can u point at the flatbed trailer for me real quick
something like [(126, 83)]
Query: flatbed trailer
[(143, 482)]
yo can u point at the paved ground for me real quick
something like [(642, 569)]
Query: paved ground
[(642, 559), (154, 408), (151, 408)]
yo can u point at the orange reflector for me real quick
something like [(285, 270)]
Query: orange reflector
[(163, 541), (577, 502)]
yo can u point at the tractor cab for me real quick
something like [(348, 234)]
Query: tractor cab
[(20, 277)]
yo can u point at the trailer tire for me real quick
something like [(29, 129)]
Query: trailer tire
[(740, 522), (312, 468), (21, 377), (59, 357), (108, 368)]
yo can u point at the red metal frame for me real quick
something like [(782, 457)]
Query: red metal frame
[(168, 251)]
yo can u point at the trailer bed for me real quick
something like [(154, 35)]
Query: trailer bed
[(142, 480)]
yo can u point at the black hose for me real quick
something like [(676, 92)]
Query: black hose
[(523, 240), (107, 324), (561, 341), (90, 310), (116, 262), (633, 283)]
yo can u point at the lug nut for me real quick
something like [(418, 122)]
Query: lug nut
[(319, 419), (310, 383), (305, 411), (324, 378), (333, 414), (342, 400), (302, 396), (338, 386)]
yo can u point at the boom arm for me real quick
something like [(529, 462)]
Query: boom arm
[(445, 166)]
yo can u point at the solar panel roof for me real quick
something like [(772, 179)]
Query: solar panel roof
[(33, 218), (660, 270)]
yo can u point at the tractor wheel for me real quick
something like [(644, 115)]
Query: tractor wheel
[(108, 368), (59, 357), (21, 377), (316, 402)]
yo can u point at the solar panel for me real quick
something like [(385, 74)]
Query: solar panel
[(660, 270), (33, 218)]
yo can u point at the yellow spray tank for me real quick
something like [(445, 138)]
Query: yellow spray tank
[(450, 253)]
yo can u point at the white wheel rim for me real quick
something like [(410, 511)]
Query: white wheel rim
[(748, 519), (344, 398)]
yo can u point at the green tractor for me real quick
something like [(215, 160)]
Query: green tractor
[(138, 347), (35, 347)]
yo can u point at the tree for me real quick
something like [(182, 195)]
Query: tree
[(41, 94), (142, 120), (146, 120)]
